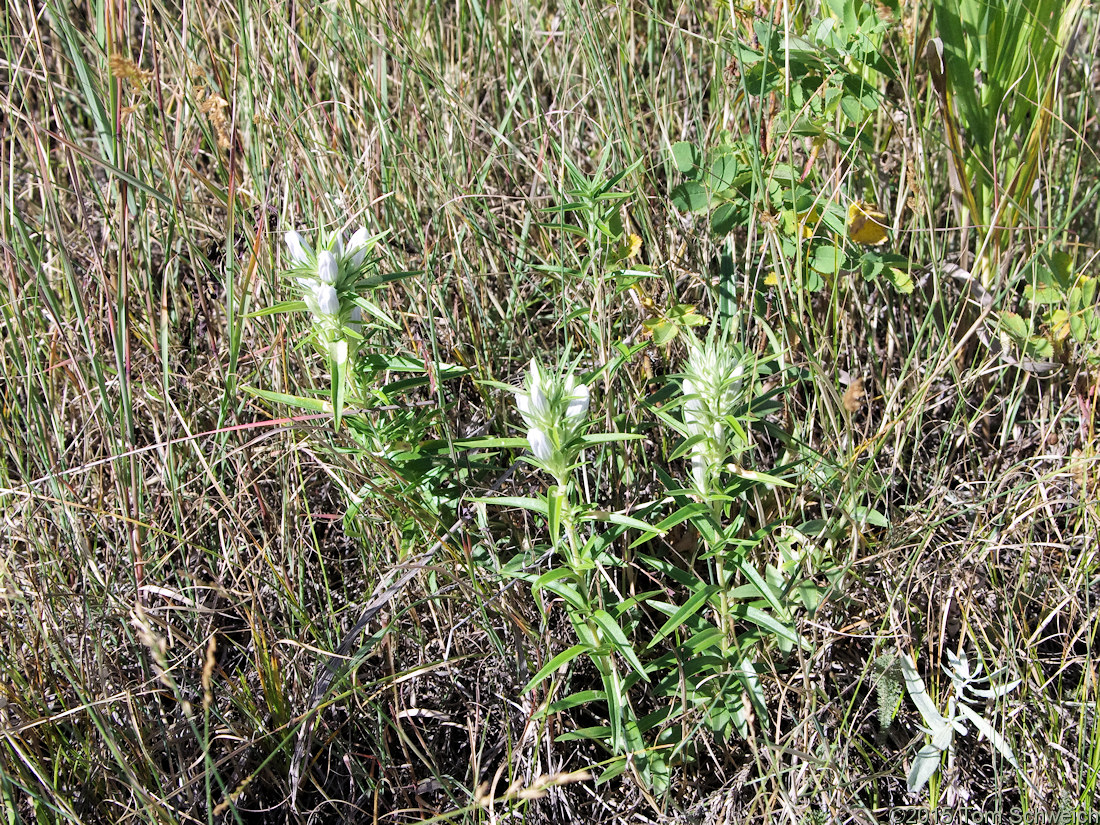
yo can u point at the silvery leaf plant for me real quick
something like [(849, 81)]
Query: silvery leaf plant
[(941, 729)]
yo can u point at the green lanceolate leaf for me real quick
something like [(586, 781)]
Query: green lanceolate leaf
[(686, 611), (621, 645), (574, 700), (535, 505), (769, 623), (558, 661), (561, 582), (313, 404)]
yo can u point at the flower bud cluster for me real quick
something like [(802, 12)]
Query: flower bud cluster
[(554, 407), (711, 385), (328, 276)]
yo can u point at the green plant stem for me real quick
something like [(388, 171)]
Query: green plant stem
[(722, 580), (588, 631), (572, 554)]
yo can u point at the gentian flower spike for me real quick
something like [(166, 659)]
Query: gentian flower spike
[(711, 387), (554, 408)]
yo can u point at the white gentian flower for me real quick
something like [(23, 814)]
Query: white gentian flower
[(328, 302), (355, 320), (578, 400), (327, 267), (357, 248), (540, 444), (297, 247), (533, 403), (523, 403)]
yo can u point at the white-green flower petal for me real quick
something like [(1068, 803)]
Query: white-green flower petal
[(540, 444), (327, 267), (535, 377), (699, 466), (578, 402), (338, 350), (296, 246), (328, 302), (357, 247), (537, 403)]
